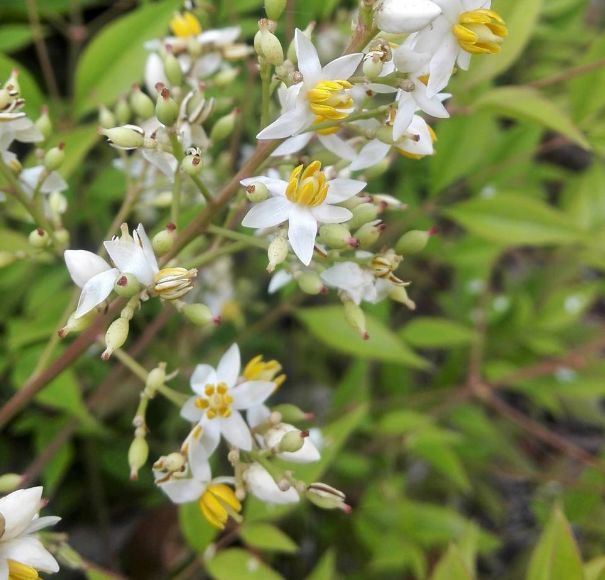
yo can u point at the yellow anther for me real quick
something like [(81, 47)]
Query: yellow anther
[(330, 101), (209, 390), (18, 571), (308, 187), (172, 283), (217, 402), (480, 31), (218, 503), (259, 370), (185, 24)]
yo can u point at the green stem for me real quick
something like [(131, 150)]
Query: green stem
[(176, 198), (238, 237), (202, 188), (210, 256), (265, 76)]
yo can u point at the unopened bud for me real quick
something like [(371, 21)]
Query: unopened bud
[(356, 318), (362, 214), (270, 47), (369, 233), (5, 99), (372, 66), (115, 337), (223, 127), (327, 497), (12, 84), (399, 294), (310, 283), (39, 238), (57, 203), (141, 103), (172, 283), (163, 241), (107, 119), (226, 76), (192, 163), (257, 192), (337, 237), (199, 314), (413, 242), (292, 414), (274, 8), (61, 239), (54, 157), (385, 134), (166, 109), (122, 111), (172, 68), (292, 441), (74, 324), (156, 377), (9, 482), (137, 456), (277, 252), (127, 286), (43, 123), (124, 137)]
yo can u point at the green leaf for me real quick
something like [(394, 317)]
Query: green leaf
[(29, 88), (586, 91), (556, 557), (525, 104), (115, 58), (402, 421), (267, 537), (595, 569), (14, 36), (425, 332), (236, 563), (451, 567), (521, 17), (196, 530), (325, 568), (329, 325), (515, 220)]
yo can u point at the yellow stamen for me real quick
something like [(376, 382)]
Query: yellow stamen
[(480, 31), (185, 24), (308, 187), (217, 401), (218, 503), (259, 370), (18, 571), (172, 283), (330, 101)]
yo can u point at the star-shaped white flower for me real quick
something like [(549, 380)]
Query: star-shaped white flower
[(217, 404), (358, 283), (322, 95), (304, 201), (19, 545)]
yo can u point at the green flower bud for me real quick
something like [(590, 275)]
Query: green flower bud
[(225, 77), (57, 203), (54, 157), (354, 201), (122, 112), (337, 237), (163, 241), (61, 239), (362, 214), (310, 283), (192, 163), (194, 48), (43, 123), (277, 252), (274, 8), (172, 68), (270, 47), (7, 258), (223, 127), (9, 482), (372, 67), (137, 456), (127, 286), (257, 192), (77, 324), (369, 233), (107, 119), (141, 104), (199, 314), (292, 414), (124, 137), (5, 99), (166, 109), (292, 441), (156, 378), (327, 497), (39, 239), (399, 294), (12, 84), (385, 134), (413, 242), (115, 337), (356, 318)]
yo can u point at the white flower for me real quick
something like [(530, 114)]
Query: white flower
[(18, 128), (217, 404), (260, 484), (465, 27), (323, 94), (306, 454), (30, 178), (359, 283), (405, 16), (18, 544), (303, 201)]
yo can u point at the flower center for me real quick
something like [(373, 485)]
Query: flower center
[(413, 137), (260, 370), (330, 101), (172, 283), (480, 31), (218, 503), (18, 571), (185, 24), (217, 402), (309, 187)]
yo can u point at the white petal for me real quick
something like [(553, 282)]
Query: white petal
[(331, 214), (403, 17), (41, 523), (183, 490), (442, 65), (342, 68), (268, 213), (83, 265), (257, 415), (431, 105), (147, 248), (263, 486), (275, 186), (236, 431), (308, 453), (54, 182), (130, 258), (251, 394), (29, 550), (207, 65), (410, 61), (342, 189), (279, 280), (405, 112), (154, 73), (464, 60), (29, 177), (293, 144), (202, 375), (288, 124), (451, 8), (164, 161), (18, 509), (302, 229), (190, 411), (209, 438), (95, 291), (198, 460), (220, 36), (228, 367), (338, 146), (308, 61), (371, 154)]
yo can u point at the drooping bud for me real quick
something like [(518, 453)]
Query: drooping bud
[(107, 119), (122, 111), (141, 104), (399, 294), (57, 203), (292, 441), (327, 497), (166, 109), (137, 456), (277, 252), (125, 137), (356, 318), (171, 463), (61, 239), (362, 214), (199, 314), (292, 414), (310, 283), (74, 324), (115, 337), (414, 241), (337, 236), (223, 127), (156, 378), (172, 68), (274, 8), (9, 482), (369, 233), (270, 48), (257, 192), (43, 123), (399, 17), (172, 283), (225, 77), (39, 239), (54, 157), (127, 286), (163, 241), (192, 162)]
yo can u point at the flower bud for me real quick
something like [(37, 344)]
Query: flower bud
[(174, 462), (141, 104), (192, 163), (310, 283), (61, 239), (257, 192), (39, 238), (362, 214), (356, 318), (122, 112), (156, 377), (57, 203), (385, 134), (277, 252), (9, 482), (163, 241), (413, 242), (292, 441), (166, 109), (54, 157), (399, 294), (127, 286), (172, 283), (372, 66), (399, 17), (194, 47), (369, 233), (5, 99), (107, 119), (7, 258), (270, 47), (199, 314), (327, 497), (12, 84), (125, 137), (172, 68), (115, 337), (137, 456), (225, 77), (74, 324), (223, 127), (274, 8), (337, 237), (43, 123)]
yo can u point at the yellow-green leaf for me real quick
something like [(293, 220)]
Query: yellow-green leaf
[(236, 563), (267, 537)]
